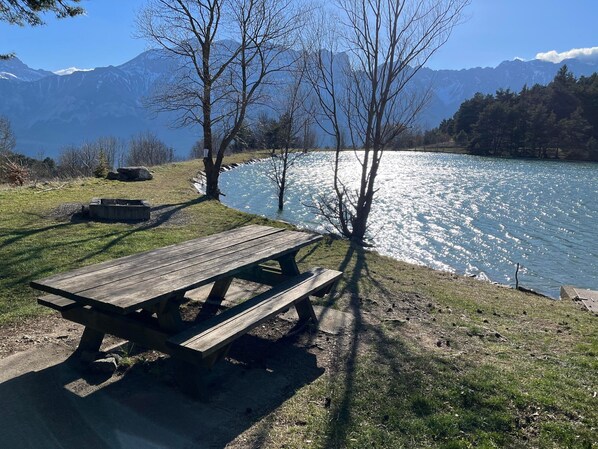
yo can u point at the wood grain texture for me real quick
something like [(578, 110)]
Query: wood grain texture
[(151, 277), (117, 269), (56, 302)]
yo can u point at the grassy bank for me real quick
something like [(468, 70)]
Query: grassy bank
[(432, 359)]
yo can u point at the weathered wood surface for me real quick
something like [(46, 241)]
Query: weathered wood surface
[(219, 331), (129, 283), (132, 327), (116, 269), (57, 302)]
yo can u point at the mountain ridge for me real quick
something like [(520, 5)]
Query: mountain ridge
[(48, 111)]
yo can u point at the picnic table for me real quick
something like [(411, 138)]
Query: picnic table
[(138, 297)]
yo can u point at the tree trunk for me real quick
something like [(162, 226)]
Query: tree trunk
[(283, 181), (281, 198), (212, 175)]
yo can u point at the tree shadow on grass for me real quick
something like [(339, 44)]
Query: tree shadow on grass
[(115, 237), (20, 234), (381, 374)]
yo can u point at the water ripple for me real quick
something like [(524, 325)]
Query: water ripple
[(456, 213)]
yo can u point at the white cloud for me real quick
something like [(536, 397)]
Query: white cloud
[(575, 53), (70, 70)]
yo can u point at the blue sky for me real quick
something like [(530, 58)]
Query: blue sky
[(495, 30)]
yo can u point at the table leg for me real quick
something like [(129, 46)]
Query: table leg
[(305, 310), (215, 298), (91, 340), (192, 377), (169, 316), (288, 265)]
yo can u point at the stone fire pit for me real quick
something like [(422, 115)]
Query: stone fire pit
[(119, 209)]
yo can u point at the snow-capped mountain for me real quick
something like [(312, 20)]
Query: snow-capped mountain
[(70, 71), (48, 111), (13, 69)]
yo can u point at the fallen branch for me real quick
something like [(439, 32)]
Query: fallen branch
[(51, 188)]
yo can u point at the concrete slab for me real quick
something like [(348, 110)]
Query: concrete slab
[(589, 298), (46, 401)]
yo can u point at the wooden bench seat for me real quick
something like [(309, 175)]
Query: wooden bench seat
[(57, 302), (208, 337)]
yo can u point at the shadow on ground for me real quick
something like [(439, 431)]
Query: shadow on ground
[(46, 402)]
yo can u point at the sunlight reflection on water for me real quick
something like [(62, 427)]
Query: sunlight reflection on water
[(465, 214)]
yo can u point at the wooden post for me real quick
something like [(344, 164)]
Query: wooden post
[(215, 298), (91, 340), (169, 316), (304, 309)]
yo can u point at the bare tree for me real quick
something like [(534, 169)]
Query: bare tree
[(147, 149), (90, 158), (294, 120), (70, 163), (387, 42), (227, 49), (7, 137), (112, 148)]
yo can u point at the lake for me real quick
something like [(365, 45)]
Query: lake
[(459, 213)]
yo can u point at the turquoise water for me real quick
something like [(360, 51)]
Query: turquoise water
[(464, 214)]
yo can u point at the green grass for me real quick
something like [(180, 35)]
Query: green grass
[(433, 359)]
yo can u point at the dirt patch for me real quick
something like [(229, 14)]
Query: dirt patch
[(40, 331), (37, 332), (65, 212)]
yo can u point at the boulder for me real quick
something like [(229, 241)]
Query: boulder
[(113, 176), (134, 174)]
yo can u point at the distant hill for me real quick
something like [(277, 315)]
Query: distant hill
[(48, 111)]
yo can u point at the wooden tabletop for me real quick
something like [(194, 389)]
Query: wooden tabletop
[(130, 283)]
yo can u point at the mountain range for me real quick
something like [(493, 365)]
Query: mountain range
[(48, 111)]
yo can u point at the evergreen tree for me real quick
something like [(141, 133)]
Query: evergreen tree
[(559, 120)]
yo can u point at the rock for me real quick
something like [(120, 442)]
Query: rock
[(113, 176), (134, 174), (107, 365)]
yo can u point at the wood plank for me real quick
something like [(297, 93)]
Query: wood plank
[(152, 267), (145, 291), (165, 249), (56, 302), (221, 330), (263, 275), (214, 256), (132, 297), (118, 268)]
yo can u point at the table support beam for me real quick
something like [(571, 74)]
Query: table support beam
[(305, 310), (169, 316), (99, 323), (214, 299), (91, 340), (288, 264)]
